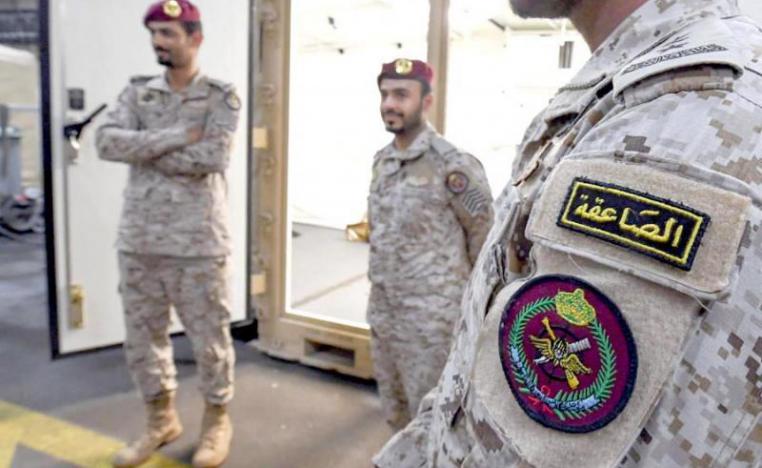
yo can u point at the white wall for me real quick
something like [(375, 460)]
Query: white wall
[(752, 8), (497, 85)]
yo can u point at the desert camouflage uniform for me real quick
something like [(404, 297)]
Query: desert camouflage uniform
[(675, 93), (173, 237), (429, 211)]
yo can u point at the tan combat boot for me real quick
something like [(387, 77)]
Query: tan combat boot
[(163, 427), (216, 433)]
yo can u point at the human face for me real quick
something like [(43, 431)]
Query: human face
[(543, 8), (402, 106), (174, 47)]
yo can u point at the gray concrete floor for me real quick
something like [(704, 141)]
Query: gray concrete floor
[(284, 414)]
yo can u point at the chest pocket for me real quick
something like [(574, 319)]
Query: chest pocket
[(420, 177), (194, 111), (151, 108)]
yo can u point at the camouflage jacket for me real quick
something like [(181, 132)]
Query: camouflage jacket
[(175, 202), (429, 209), (667, 113)]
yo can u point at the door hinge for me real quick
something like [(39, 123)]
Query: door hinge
[(76, 306), (258, 283)]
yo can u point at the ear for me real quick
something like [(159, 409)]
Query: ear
[(197, 38), (428, 100)]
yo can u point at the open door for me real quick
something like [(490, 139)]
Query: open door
[(318, 129), (89, 50)]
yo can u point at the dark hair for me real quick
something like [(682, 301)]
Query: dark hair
[(192, 26), (425, 88)]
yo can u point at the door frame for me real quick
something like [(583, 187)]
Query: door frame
[(314, 341), (53, 179)]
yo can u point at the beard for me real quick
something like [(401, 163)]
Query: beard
[(166, 59), (166, 62), (408, 123), (543, 8)]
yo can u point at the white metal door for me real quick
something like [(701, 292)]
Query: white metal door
[(96, 46)]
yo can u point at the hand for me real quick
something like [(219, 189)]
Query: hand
[(195, 134)]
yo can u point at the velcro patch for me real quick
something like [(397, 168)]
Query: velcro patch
[(659, 228), (475, 202), (457, 182), (567, 353), (233, 101)]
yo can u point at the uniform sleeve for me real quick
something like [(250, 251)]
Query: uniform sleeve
[(471, 200), (119, 138), (690, 139), (212, 153), (409, 447)]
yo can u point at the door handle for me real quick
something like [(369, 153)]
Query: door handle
[(73, 131)]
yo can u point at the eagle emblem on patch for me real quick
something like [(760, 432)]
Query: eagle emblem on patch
[(172, 8), (665, 230), (403, 66), (567, 353)]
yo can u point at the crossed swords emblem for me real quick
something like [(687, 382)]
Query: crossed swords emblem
[(561, 354)]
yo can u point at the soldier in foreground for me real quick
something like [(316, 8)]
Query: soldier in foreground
[(175, 132), (613, 317), (430, 208)]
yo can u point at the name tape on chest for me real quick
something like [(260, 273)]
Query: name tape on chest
[(659, 228)]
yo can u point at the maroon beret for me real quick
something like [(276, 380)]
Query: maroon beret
[(407, 69), (172, 10)]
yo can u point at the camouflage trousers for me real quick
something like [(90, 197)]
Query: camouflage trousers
[(411, 335), (198, 290)]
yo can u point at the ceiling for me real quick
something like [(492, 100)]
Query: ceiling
[(351, 23)]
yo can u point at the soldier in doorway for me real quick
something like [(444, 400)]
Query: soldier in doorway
[(175, 133), (613, 317), (430, 208)]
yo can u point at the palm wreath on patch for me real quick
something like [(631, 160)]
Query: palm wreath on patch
[(567, 354)]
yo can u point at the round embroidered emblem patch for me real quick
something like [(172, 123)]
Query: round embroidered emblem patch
[(567, 353), (457, 182), (232, 101)]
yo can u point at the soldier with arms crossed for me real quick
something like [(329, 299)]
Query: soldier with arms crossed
[(175, 133)]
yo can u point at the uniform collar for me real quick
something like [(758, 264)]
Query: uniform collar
[(649, 25), (420, 145), (199, 86)]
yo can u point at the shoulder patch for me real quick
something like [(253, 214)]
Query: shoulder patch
[(662, 229), (705, 43), (457, 182), (141, 79), (232, 100), (567, 353)]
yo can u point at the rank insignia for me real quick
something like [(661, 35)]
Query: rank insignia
[(403, 66), (172, 9), (147, 96), (659, 228), (233, 101), (567, 353), (457, 182)]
